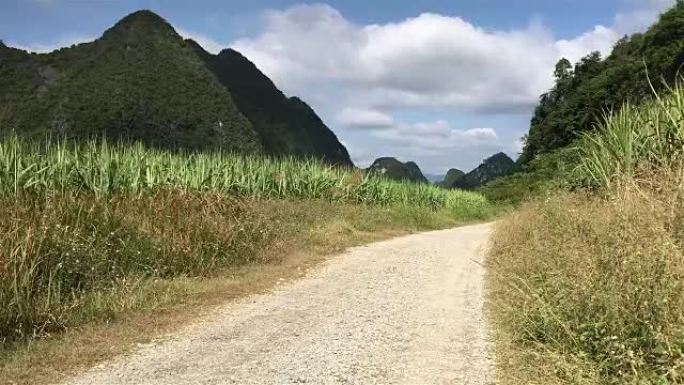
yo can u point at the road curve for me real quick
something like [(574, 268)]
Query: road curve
[(404, 311)]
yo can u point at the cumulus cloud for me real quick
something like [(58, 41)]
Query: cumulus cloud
[(427, 60), (364, 118), (436, 146), (364, 76), (640, 15), (365, 79), (431, 138)]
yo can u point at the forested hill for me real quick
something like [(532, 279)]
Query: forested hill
[(584, 91), (142, 81), (394, 169), (496, 166), (287, 126), (138, 81)]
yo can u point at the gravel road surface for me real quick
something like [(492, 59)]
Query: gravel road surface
[(403, 311)]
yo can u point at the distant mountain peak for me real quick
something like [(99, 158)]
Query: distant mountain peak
[(142, 81), (499, 156), (143, 23), (451, 177), (143, 17), (394, 169), (495, 166), (231, 52), (287, 125)]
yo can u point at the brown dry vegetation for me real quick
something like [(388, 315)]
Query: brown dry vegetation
[(587, 288)]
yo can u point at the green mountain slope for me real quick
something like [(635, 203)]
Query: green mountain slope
[(583, 92), (494, 167), (451, 177), (396, 170), (288, 126), (139, 81)]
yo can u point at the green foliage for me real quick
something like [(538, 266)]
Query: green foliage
[(106, 169), (632, 139), (581, 95), (451, 177), (546, 174), (139, 81), (393, 169), (78, 221), (496, 166)]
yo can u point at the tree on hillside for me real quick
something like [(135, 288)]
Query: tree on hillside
[(583, 93)]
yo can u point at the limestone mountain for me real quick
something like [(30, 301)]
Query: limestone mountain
[(139, 81), (287, 126), (142, 81), (394, 169), (451, 177), (496, 166)]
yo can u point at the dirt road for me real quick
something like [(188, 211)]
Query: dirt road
[(403, 311)]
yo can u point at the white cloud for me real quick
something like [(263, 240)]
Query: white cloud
[(600, 39), (64, 41), (366, 76), (365, 79), (436, 146), (210, 45), (434, 137), (363, 118), (640, 15), (429, 60)]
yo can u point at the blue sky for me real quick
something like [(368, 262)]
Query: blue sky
[(444, 83)]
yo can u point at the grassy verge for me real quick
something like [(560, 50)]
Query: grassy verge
[(105, 245), (146, 264), (586, 287)]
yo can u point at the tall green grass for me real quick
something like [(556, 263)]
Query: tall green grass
[(104, 169), (633, 138)]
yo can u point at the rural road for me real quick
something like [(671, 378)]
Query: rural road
[(403, 311)]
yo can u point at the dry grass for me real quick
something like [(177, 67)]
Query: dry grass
[(284, 238), (587, 289)]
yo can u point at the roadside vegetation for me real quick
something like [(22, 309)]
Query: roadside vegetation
[(103, 169), (97, 233), (586, 89), (586, 282)]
